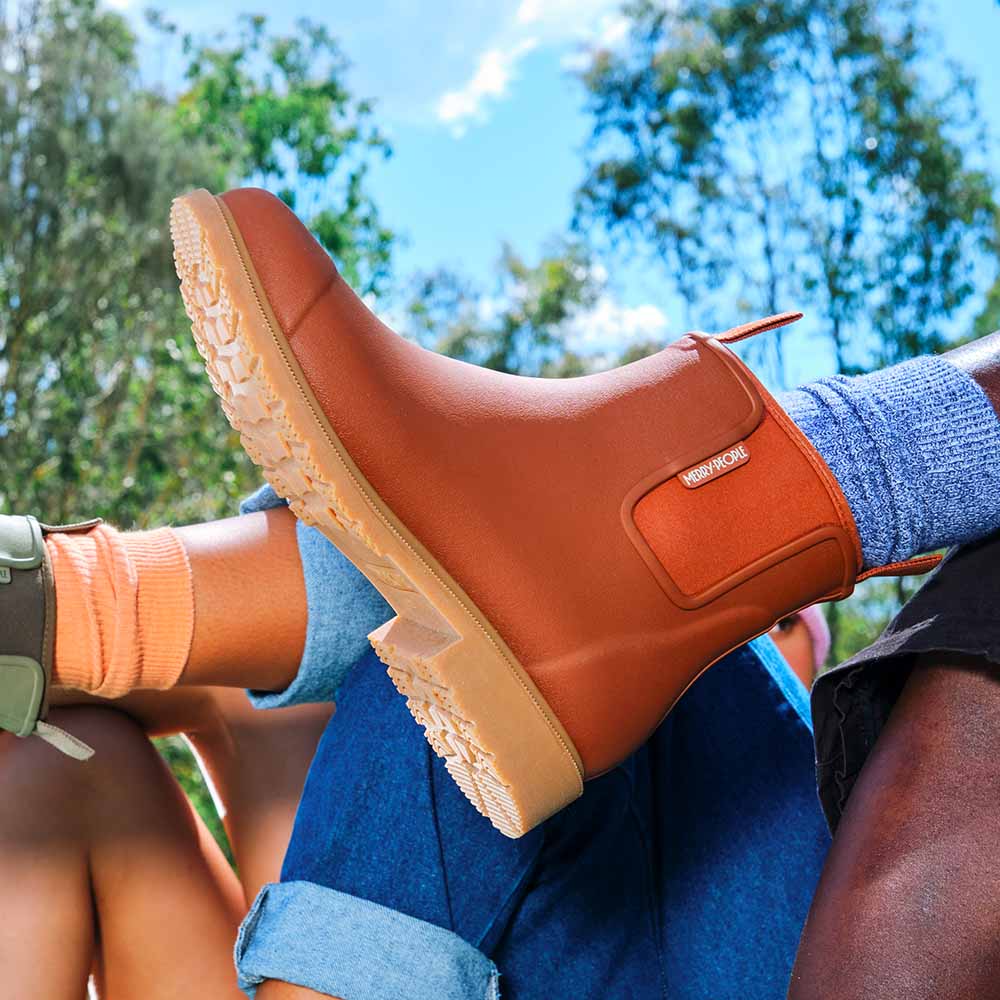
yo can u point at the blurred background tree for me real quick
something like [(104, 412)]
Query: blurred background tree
[(794, 151), (521, 326), (105, 407), (759, 153)]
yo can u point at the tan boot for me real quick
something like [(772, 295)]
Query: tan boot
[(565, 557)]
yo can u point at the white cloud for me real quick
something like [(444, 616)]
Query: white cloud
[(607, 32), (542, 24), (576, 61), (490, 82), (568, 18), (612, 326), (611, 30), (529, 11), (119, 4)]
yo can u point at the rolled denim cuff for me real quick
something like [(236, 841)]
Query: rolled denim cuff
[(263, 499), (343, 607), (342, 946)]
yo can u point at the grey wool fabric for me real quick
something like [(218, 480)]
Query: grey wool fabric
[(916, 450)]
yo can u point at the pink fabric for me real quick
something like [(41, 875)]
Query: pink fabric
[(819, 632), (124, 609)]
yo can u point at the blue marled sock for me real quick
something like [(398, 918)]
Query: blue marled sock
[(916, 450)]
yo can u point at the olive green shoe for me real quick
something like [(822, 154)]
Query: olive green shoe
[(27, 631)]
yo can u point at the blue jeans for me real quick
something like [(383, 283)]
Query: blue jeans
[(685, 872)]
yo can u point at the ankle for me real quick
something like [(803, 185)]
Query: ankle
[(916, 450), (125, 609)]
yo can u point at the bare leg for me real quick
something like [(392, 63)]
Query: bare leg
[(249, 606), (257, 761), (110, 852), (908, 907), (48, 950), (250, 601)]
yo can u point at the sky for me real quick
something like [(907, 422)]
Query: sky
[(487, 122)]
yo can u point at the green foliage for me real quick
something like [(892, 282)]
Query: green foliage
[(522, 327), (178, 755), (524, 324), (988, 321), (276, 110), (858, 621), (104, 406), (792, 153)]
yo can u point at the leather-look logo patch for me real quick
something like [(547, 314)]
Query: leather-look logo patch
[(718, 465)]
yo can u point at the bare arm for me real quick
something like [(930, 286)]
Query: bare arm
[(909, 903), (908, 907), (981, 359)]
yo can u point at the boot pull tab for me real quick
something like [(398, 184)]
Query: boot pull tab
[(908, 567), (748, 330)]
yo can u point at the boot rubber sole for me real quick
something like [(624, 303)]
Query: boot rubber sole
[(480, 710)]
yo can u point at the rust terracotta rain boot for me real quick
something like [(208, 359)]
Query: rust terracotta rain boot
[(564, 557)]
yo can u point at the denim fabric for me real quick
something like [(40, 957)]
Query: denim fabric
[(287, 930), (262, 499), (686, 872), (343, 608)]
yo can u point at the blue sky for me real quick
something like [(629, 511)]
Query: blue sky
[(487, 122)]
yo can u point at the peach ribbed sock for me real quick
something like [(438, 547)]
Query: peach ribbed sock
[(124, 609)]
